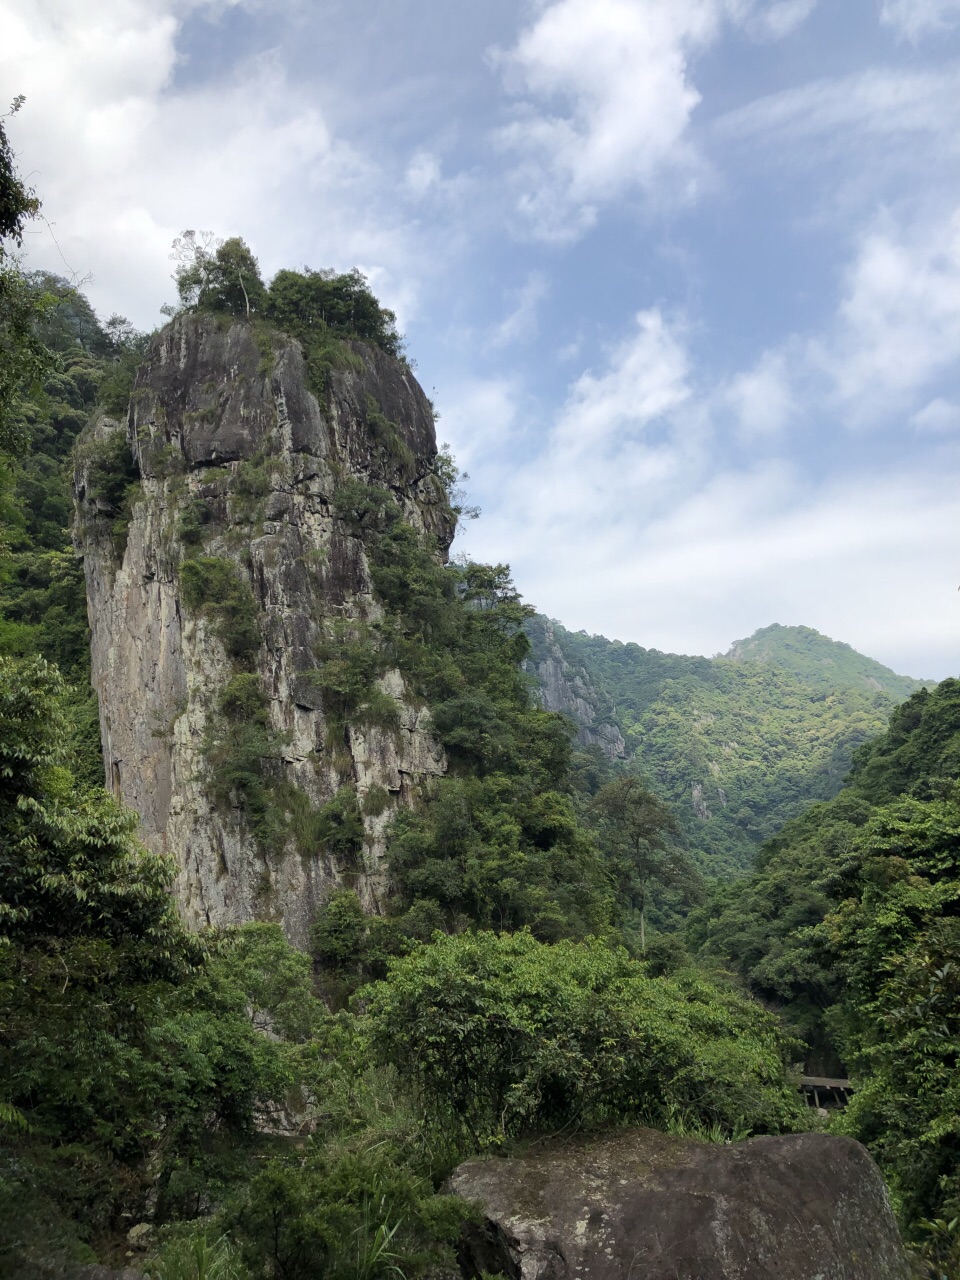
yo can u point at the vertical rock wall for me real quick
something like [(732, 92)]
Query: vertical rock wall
[(565, 690), (239, 461)]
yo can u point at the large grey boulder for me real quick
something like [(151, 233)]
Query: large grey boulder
[(642, 1205)]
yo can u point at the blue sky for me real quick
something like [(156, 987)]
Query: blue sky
[(682, 276)]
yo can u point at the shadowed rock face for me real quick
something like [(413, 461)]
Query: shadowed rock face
[(569, 692), (223, 420), (640, 1205)]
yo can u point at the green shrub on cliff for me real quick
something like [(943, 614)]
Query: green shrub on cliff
[(496, 842), (218, 588)]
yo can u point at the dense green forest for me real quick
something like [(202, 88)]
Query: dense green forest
[(849, 925), (253, 1111), (740, 744)]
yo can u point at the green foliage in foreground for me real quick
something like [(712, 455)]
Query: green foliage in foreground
[(504, 1035), (144, 1069), (130, 1068)]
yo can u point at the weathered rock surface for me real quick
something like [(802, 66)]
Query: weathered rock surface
[(563, 689), (641, 1205), (223, 420)]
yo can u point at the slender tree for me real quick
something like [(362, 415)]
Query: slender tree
[(636, 834)]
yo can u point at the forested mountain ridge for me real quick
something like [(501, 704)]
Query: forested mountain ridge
[(737, 745)]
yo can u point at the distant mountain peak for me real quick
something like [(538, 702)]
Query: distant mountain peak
[(820, 660)]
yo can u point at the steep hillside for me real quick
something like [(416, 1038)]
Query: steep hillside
[(738, 745), (217, 582), (849, 925)]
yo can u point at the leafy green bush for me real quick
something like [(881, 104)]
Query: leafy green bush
[(504, 1035), (346, 1214), (348, 663), (310, 304), (129, 1057), (218, 588), (335, 828)]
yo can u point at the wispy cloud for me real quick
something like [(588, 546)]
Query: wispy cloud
[(914, 19), (882, 102), (520, 324), (898, 324), (761, 398), (777, 20)]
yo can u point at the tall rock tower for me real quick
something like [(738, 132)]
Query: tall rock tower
[(244, 713)]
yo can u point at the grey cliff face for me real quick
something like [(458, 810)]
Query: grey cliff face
[(223, 422), (568, 692), (640, 1205)]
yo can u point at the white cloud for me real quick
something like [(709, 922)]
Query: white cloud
[(618, 445), (898, 325), (762, 398), (645, 379), (479, 418), (939, 415), (913, 19), (520, 325), (780, 19), (607, 100), (123, 160), (423, 173)]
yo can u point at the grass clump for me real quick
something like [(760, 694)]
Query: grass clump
[(335, 828), (389, 440)]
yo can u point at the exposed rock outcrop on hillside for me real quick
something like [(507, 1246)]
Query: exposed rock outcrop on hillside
[(240, 464), (563, 689), (640, 1205)]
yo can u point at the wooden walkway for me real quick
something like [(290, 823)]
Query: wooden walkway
[(822, 1091)]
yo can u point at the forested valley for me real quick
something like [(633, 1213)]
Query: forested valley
[(552, 943)]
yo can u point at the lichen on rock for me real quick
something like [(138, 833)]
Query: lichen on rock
[(638, 1203)]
